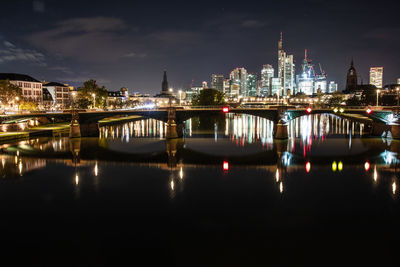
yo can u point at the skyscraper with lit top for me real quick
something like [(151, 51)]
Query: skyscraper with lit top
[(285, 69)]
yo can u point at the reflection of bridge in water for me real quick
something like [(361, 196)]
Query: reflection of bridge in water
[(278, 162), (379, 121)]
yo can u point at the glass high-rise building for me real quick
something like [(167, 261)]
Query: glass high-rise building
[(267, 72), (238, 82), (251, 84), (376, 76), (285, 68), (217, 82), (276, 86)]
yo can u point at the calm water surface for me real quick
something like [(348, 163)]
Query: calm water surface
[(225, 195)]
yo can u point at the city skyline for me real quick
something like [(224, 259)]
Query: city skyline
[(119, 51)]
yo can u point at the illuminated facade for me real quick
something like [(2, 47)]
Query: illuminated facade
[(217, 82), (60, 94), (332, 87), (251, 84), (285, 68), (276, 86), (309, 82), (31, 88), (398, 80), (376, 76), (267, 72), (238, 82)]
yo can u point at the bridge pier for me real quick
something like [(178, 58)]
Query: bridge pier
[(281, 130), (172, 128), (378, 129)]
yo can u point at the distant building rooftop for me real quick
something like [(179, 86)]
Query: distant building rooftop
[(17, 77), (115, 94), (55, 84)]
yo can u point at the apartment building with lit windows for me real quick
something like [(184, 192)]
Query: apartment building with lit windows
[(31, 88)]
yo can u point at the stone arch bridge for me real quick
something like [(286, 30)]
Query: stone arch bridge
[(86, 123)]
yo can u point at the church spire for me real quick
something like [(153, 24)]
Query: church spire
[(164, 86)]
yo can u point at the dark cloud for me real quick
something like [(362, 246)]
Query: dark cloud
[(9, 53)]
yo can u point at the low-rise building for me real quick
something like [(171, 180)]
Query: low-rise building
[(31, 88), (60, 93)]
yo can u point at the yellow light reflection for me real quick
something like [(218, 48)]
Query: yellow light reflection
[(172, 185), (375, 174), (76, 179), (277, 175), (96, 169), (394, 188), (340, 166), (181, 173), (334, 166), (281, 187), (20, 168), (16, 159)]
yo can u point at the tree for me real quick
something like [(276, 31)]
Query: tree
[(28, 105), (336, 99), (83, 103), (369, 92), (354, 101), (9, 92), (87, 91), (208, 97)]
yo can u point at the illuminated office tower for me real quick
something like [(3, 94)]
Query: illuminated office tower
[(276, 86), (376, 76), (251, 84), (227, 86), (332, 87), (204, 85), (267, 72), (285, 68), (217, 82), (238, 82)]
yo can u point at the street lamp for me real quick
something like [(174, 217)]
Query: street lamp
[(180, 94), (17, 99), (397, 89), (377, 97)]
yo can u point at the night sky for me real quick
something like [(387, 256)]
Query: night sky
[(119, 43)]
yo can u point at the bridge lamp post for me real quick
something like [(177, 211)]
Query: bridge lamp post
[(377, 97)]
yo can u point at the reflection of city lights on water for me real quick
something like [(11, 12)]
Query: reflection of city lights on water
[(367, 166), (308, 167), (281, 187), (340, 166), (394, 188), (96, 169), (20, 168), (76, 179), (277, 175), (181, 173), (225, 166), (334, 166), (172, 184), (375, 174), (389, 157)]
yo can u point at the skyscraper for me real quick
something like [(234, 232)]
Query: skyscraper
[(238, 82), (217, 82), (351, 81), (267, 72), (251, 84), (285, 69), (376, 76)]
